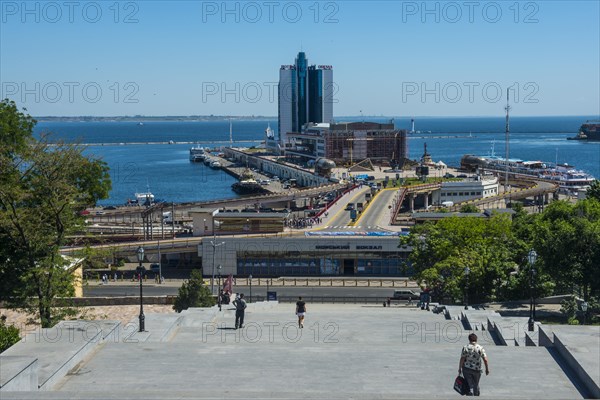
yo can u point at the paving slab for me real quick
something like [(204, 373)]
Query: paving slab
[(61, 347), (18, 373), (580, 345), (158, 327), (344, 351)]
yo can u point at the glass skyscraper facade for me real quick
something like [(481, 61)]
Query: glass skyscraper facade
[(305, 95)]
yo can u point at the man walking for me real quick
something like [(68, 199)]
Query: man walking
[(300, 311), (470, 364), (240, 309)]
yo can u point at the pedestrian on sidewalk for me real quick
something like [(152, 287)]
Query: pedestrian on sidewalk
[(471, 364), (300, 311), (240, 310)]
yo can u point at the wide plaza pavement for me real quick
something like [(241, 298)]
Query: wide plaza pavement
[(343, 351)]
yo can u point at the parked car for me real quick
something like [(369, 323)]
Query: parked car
[(405, 294)]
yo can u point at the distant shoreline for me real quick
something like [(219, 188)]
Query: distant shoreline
[(216, 118), (191, 118)]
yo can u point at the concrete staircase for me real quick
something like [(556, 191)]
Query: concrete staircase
[(343, 351)]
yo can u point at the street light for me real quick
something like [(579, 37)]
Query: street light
[(467, 272), (220, 290), (140, 270), (584, 307), (214, 245), (250, 281), (531, 257), (267, 289)]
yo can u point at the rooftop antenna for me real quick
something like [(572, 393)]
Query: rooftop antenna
[(507, 108)]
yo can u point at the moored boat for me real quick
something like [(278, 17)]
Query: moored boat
[(248, 185), (590, 130), (566, 176), (197, 154)]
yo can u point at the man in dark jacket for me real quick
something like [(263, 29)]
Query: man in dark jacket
[(240, 310)]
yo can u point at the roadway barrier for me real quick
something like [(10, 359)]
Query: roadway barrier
[(325, 282), (378, 300)]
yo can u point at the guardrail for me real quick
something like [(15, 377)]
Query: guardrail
[(321, 282), (150, 246), (337, 300)]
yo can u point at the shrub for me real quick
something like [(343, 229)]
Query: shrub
[(9, 334), (193, 293)]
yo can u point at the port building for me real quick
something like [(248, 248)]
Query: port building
[(305, 94), (307, 256), (350, 142)]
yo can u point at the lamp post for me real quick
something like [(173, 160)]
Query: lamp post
[(220, 290), (584, 307), (214, 245), (467, 272), (267, 289), (250, 281), (140, 270), (531, 257)]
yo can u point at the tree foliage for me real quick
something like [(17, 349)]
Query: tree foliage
[(43, 188), (193, 293), (9, 334), (442, 252), (567, 238), (594, 191), (469, 208)]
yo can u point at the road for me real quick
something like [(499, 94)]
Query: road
[(95, 290), (374, 218)]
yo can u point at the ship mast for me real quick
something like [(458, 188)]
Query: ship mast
[(507, 108)]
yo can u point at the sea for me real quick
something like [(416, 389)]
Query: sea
[(154, 155)]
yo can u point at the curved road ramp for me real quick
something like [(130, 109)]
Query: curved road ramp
[(343, 351)]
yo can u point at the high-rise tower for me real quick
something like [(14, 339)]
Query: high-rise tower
[(305, 95)]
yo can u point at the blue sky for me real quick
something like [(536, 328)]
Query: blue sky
[(400, 58)]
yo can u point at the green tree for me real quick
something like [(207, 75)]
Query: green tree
[(43, 188), (9, 334), (469, 208), (442, 251), (193, 293), (594, 191), (567, 238)]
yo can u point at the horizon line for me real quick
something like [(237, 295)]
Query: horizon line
[(343, 116)]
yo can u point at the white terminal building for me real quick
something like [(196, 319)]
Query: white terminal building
[(469, 189)]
